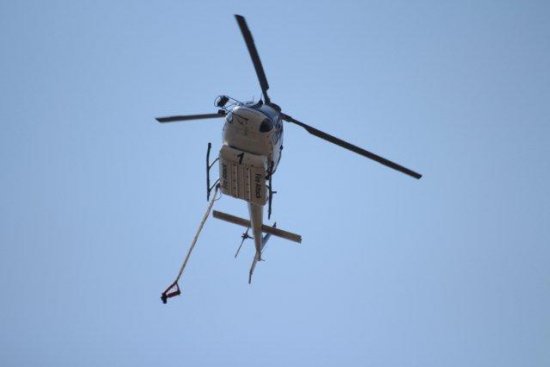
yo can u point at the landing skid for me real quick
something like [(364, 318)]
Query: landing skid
[(209, 165), (270, 188)]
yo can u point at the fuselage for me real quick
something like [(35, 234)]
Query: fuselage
[(255, 128), (253, 133)]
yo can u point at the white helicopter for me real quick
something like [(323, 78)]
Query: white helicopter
[(251, 152)]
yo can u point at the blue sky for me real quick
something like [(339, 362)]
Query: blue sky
[(99, 202)]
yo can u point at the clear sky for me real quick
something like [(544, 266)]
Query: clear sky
[(99, 202)]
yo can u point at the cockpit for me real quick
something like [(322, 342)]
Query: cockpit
[(255, 115), (266, 125)]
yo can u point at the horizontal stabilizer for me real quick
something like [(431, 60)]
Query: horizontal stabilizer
[(266, 229)]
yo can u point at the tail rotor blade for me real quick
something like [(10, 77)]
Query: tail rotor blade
[(353, 148), (244, 237), (220, 113), (247, 35)]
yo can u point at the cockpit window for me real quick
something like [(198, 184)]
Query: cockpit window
[(267, 125), (229, 117)]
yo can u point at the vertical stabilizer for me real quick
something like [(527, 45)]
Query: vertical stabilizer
[(256, 221)]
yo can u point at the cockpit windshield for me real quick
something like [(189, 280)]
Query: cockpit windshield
[(266, 125)]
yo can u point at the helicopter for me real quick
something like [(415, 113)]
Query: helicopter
[(252, 150)]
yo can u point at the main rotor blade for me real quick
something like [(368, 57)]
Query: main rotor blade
[(254, 55), (221, 113), (353, 148)]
